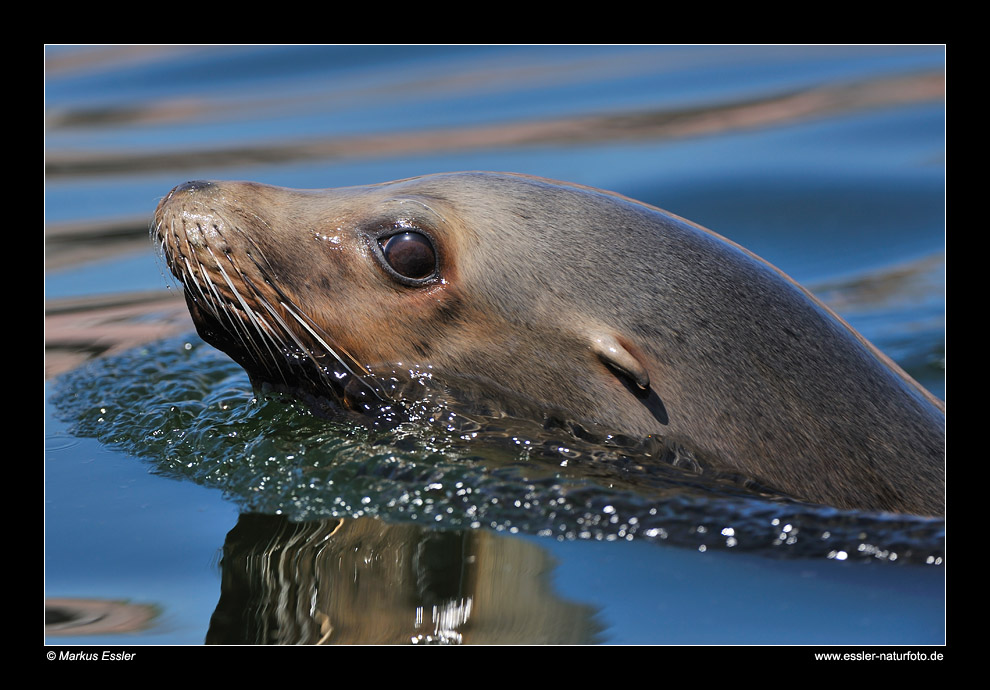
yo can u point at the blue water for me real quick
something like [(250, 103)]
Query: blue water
[(841, 197)]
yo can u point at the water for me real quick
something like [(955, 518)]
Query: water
[(827, 161)]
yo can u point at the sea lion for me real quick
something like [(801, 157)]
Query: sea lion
[(551, 298)]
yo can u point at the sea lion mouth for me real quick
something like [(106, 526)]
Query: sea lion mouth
[(238, 307)]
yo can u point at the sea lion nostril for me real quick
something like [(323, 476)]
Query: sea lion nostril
[(193, 186)]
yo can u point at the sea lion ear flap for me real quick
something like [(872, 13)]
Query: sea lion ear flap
[(616, 356)]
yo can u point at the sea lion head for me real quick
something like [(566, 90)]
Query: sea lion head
[(360, 295), (508, 294)]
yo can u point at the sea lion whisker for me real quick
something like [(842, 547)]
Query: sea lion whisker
[(363, 376), (189, 281), (266, 332), (289, 310), (157, 236), (300, 346), (352, 367), (283, 328), (272, 337), (205, 294), (221, 308), (338, 351), (267, 270)]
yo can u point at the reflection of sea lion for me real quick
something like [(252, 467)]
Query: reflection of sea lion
[(365, 581), (548, 296)]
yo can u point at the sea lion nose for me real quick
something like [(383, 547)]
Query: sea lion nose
[(190, 189), (186, 190), (193, 186)]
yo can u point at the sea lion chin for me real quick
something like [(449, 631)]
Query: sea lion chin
[(553, 299)]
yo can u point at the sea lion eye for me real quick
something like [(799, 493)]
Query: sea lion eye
[(410, 254)]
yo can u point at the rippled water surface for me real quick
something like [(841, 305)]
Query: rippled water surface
[(180, 502)]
